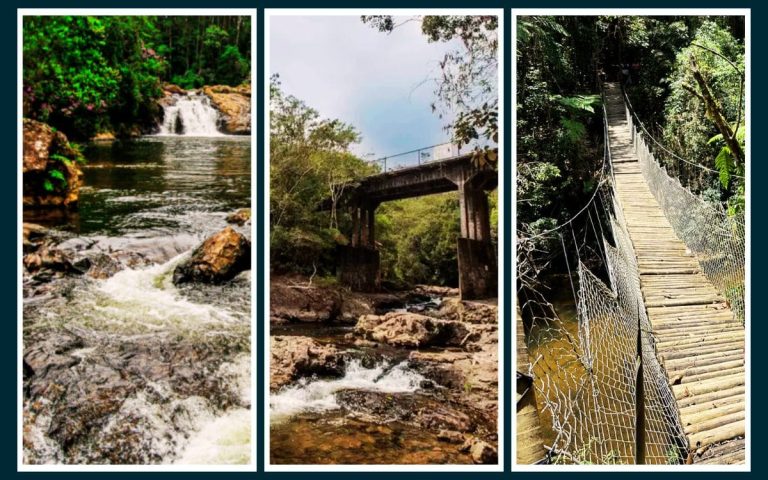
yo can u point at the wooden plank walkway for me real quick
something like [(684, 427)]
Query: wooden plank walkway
[(530, 438), (698, 342)]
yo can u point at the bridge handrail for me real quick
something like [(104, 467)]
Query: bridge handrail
[(636, 119), (385, 159)]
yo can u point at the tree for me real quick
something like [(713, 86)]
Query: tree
[(468, 85)]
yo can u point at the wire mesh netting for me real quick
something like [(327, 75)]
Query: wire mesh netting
[(587, 378), (716, 238)]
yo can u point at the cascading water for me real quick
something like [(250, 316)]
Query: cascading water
[(121, 366), (311, 395), (191, 115)]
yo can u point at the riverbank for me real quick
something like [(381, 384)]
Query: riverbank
[(133, 354), (398, 377)]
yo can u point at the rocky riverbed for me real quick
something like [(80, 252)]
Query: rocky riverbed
[(122, 366), (402, 377)]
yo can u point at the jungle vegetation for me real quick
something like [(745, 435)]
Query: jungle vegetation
[(686, 85), (86, 74)]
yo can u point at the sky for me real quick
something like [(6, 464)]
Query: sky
[(383, 84)]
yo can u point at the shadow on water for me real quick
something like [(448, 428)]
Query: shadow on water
[(157, 185)]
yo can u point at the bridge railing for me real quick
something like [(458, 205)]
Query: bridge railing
[(420, 156), (716, 238)]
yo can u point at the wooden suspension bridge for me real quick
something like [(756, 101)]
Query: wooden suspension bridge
[(698, 341)]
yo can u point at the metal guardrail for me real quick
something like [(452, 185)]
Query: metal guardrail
[(421, 156)]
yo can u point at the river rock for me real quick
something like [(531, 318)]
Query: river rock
[(377, 407), (410, 330), (450, 436), (445, 418), (218, 259), (295, 301), (234, 104), (33, 236), (293, 357), (475, 312), (240, 217), (482, 453), (43, 150)]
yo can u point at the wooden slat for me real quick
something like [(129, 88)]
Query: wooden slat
[(699, 344)]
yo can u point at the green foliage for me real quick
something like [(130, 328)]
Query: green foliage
[(86, 75), (559, 127), (689, 129), (309, 163), (467, 89), (418, 238)]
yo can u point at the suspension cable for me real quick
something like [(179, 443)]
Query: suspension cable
[(662, 147)]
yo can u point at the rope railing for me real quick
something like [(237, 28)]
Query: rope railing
[(713, 236)]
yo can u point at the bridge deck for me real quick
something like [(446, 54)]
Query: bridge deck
[(698, 341), (530, 438)]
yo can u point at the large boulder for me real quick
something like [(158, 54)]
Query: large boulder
[(293, 357), (52, 177), (220, 258), (411, 330), (291, 301), (234, 104)]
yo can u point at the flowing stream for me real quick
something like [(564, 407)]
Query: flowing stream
[(126, 367), (367, 415)]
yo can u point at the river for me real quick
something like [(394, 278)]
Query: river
[(126, 367)]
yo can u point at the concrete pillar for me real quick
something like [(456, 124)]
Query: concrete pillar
[(370, 225), (355, 237), (475, 214), (478, 273), (360, 262)]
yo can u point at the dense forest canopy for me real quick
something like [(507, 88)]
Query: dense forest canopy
[(686, 86), (85, 74)]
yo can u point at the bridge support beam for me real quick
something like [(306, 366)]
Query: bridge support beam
[(360, 262), (478, 275)]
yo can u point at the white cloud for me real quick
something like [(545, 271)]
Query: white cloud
[(381, 83)]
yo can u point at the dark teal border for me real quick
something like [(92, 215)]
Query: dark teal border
[(9, 201)]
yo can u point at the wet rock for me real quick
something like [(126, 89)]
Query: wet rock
[(50, 355), (291, 301), (410, 330), (450, 436), (436, 291), (33, 236), (218, 259), (51, 176), (49, 258), (482, 453), (445, 418), (468, 311), (123, 402), (104, 137), (100, 265), (240, 217), (234, 104), (293, 357), (377, 407)]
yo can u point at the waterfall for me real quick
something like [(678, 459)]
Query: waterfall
[(318, 395), (190, 115)]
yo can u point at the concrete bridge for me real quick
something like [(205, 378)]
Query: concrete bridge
[(360, 261)]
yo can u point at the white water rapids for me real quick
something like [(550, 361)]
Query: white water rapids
[(310, 395), (190, 115)]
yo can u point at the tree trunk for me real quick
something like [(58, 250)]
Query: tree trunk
[(715, 112)]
